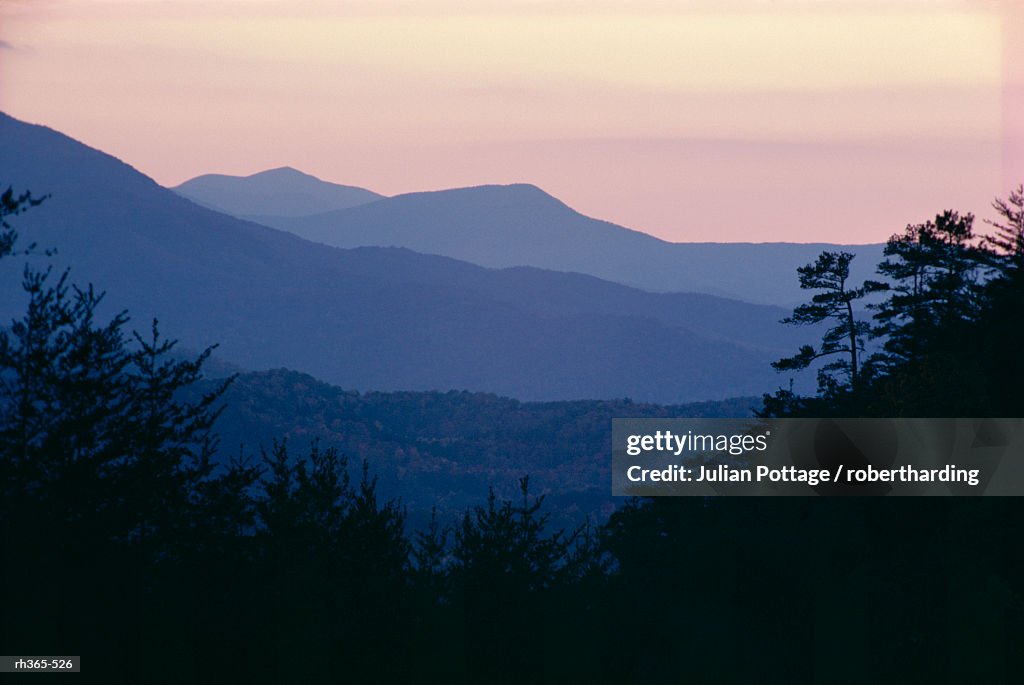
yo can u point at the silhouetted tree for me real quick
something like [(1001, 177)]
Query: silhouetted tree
[(932, 269), (503, 565), (429, 551), (1008, 241), (336, 566), (12, 205), (929, 323), (1001, 319), (105, 470), (844, 339)]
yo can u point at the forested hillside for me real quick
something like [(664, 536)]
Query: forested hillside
[(444, 448)]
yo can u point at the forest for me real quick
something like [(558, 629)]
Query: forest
[(129, 539)]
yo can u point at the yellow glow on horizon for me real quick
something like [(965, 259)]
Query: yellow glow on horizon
[(531, 74), (792, 48)]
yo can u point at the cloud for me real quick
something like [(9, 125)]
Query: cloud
[(4, 45)]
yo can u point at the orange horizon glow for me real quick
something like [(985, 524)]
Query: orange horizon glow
[(801, 120)]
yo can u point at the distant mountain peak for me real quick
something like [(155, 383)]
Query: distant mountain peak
[(280, 173), (282, 191), (284, 172), (518, 188), (526, 194)]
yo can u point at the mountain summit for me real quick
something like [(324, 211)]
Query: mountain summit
[(284, 191)]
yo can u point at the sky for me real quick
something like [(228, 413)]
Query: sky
[(693, 120)]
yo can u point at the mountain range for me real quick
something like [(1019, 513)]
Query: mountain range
[(521, 225), (371, 318)]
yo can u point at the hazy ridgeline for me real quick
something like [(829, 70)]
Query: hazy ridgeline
[(130, 538), (513, 226), (375, 318)]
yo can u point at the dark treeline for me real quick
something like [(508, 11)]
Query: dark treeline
[(945, 331), (125, 542)]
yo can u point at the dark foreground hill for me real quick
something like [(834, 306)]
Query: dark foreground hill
[(521, 225), (371, 318)]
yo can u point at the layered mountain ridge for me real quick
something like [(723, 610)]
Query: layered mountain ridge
[(371, 318)]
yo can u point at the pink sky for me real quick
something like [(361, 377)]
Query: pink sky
[(805, 120)]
